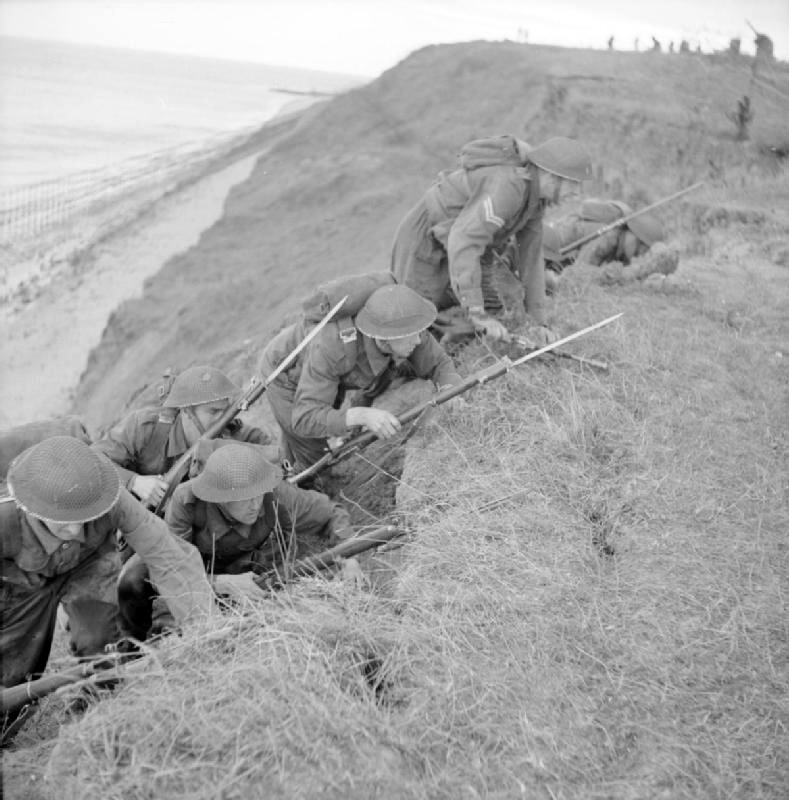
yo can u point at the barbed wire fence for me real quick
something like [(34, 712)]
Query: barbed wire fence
[(44, 224)]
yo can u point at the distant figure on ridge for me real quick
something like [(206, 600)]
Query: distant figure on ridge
[(446, 243), (656, 48), (610, 42), (742, 118)]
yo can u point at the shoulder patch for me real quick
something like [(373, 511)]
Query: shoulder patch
[(490, 214)]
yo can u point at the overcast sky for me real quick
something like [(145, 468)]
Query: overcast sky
[(365, 37)]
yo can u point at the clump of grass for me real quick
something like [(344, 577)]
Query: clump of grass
[(592, 603)]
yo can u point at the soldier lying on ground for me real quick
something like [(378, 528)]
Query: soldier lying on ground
[(622, 244), (58, 546), (499, 191), (385, 346), (242, 517), (147, 442)]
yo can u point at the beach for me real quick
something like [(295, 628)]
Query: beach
[(47, 332)]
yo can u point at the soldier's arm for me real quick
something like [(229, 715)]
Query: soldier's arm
[(121, 444), (175, 566), (494, 205), (247, 433), (531, 268), (180, 512), (309, 512), (431, 361), (313, 412)]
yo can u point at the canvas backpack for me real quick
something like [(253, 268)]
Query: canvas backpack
[(357, 288), (491, 152)]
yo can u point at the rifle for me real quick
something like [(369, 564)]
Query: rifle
[(522, 341), (309, 565), (624, 220), (17, 697), (483, 376), (176, 473)]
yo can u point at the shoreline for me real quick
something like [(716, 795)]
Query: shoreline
[(48, 331)]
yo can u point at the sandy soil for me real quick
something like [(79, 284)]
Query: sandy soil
[(44, 345)]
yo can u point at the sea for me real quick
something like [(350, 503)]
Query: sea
[(67, 108)]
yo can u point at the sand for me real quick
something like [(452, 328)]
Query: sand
[(44, 344)]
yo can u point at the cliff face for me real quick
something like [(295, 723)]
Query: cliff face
[(326, 198)]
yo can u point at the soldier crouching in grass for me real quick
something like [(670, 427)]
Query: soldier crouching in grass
[(385, 348), (58, 546), (635, 249), (147, 442), (500, 191), (242, 517)]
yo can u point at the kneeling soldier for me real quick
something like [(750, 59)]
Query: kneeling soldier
[(385, 345), (147, 442), (240, 514), (58, 546)]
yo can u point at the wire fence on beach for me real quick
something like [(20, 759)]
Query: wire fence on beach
[(47, 222)]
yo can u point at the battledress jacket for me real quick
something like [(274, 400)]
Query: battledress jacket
[(150, 440), (330, 365), (32, 557), (221, 540), (471, 210)]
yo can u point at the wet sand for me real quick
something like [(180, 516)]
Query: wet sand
[(44, 345)]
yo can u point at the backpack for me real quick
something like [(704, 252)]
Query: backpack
[(491, 152), (357, 288)]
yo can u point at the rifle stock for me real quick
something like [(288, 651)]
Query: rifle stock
[(178, 471), (624, 220), (310, 565), (477, 379)]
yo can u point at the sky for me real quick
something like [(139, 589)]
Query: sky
[(366, 37)]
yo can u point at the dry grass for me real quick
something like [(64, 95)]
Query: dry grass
[(592, 604)]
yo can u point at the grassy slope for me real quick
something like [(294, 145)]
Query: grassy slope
[(616, 626), (326, 200)]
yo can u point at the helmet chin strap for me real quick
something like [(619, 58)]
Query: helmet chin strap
[(190, 412)]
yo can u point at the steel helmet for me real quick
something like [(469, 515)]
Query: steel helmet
[(563, 157), (394, 312), (62, 480), (198, 385), (551, 243), (235, 472), (648, 228), (605, 211)]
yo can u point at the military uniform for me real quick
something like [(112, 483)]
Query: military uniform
[(39, 571), (307, 398), (441, 244), (609, 246), (150, 440), (231, 547)]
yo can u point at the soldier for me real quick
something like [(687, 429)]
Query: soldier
[(623, 243), (383, 347), (499, 191), (58, 546), (240, 514), (147, 442)]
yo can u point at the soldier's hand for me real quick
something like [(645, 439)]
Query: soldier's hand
[(376, 420), (149, 488), (491, 327), (351, 572), (237, 587), (455, 403), (542, 335)]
